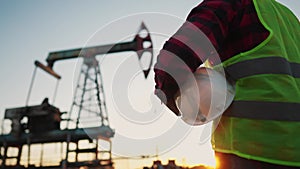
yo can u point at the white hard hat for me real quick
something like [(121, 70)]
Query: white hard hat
[(204, 97)]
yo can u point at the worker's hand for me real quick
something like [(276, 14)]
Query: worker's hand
[(170, 102), (173, 107)]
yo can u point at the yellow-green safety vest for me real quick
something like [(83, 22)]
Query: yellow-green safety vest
[(263, 121)]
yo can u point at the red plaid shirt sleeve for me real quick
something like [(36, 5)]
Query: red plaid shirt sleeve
[(231, 26)]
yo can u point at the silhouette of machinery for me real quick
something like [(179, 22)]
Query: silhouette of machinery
[(41, 124)]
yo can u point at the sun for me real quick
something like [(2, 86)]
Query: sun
[(218, 162)]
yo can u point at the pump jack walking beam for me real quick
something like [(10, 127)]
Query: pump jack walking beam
[(138, 44)]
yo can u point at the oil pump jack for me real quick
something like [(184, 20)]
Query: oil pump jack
[(43, 122)]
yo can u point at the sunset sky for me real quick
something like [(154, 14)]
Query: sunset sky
[(31, 29)]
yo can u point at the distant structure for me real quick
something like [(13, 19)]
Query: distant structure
[(158, 165), (172, 165)]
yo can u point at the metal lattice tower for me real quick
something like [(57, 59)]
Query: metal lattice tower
[(89, 106)]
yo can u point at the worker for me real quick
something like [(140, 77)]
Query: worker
[(257, 42)]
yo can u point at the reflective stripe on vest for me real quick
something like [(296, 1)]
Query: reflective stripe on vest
[(264, 110), (267, 65), (260, 109)]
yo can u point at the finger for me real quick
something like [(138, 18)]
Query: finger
[(173, 107)]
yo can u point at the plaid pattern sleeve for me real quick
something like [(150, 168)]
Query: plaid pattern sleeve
[(230, 26)]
